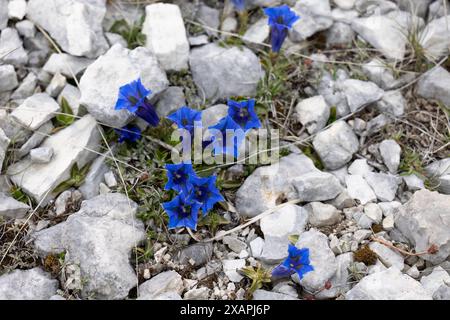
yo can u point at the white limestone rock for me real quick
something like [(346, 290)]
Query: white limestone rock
[(390, 284), (99, 239), (359, 189), (35, 111), (33, 284), (434, 84), (225, 72), (65, 64), (8, 78), (11, 48), (313, 113), (322, 215), (4, 143), (41, 155), (166, 35), (101, 81), (360, 93), (425, 220), (75, 25), (390, 153), (336, 145), (11, 208), (160, 285), (70, 145)]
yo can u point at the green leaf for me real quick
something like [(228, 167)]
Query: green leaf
[(213, 220), (66, 117)]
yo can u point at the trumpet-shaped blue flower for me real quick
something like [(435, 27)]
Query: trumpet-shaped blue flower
[(129, 133), (179, 177), (204, 191), (243, 113), (186, 118), (133, 97), (296, 262), (281, 20), (182, 212), (227, 127), (239, 5)]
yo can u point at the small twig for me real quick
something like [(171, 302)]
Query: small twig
[(432, 250)]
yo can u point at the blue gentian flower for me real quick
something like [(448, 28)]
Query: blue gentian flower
[(281, 20), (129, 133), (239, 5), (227, 126), (204, 191), (182, 212), (179, 177), (243, 113), (296, 262), (186, 118), (133, 97)]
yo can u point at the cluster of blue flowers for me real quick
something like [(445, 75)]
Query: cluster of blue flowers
[(194, 194), (197, 193)]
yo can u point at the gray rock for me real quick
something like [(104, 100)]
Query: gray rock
[(99, 238), (198, 40), (199, 253), (435, 280), (389, 284), (267, 185), (269, 295), (17, 9), (161, 284), (8, 78), (378, 72), (433, 85), (71, 145), (316, 186), (210, 17), (115, 38), (443, 293), (95, 176), (434, 38), (340, 35), (359, 189), (4, 144), (359, 167), (321, 257), (313, 113), (56, 85), (101, 81), (256, 247), (75, 25), (393, 103), (440, 171), (170, 101), (35, 140), (41, 155), (419, 7), (385, 32), (26, 28), (387, 256), (65, 64), (166, 35), (11, 208), (277, 227), (377, 124), (65, 199), (231, 267), (11, 48), (360, 93), (390, 153), (3, 14), (26, 88), (322, 215), (15, 132), (221, 73), (384, 185), (257, 32), (424, 221), (33, 284), (340, 281), (35, 111), (315, 16), (336, 145), (345, 4), (413, 182), (234, 243)]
